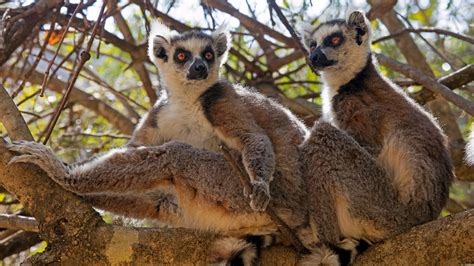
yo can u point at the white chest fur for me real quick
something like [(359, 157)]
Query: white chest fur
[(327, 96), (187, 123)]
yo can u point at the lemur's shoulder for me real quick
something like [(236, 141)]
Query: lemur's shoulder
[(223, 97)]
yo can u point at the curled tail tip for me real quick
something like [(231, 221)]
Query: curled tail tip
[(232, 251)]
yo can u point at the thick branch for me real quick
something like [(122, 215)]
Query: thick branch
[(448, 240), (12, 119)]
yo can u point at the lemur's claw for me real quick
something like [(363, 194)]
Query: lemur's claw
[(260, 196)]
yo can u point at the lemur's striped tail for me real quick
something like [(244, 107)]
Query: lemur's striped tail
[(238, 251)]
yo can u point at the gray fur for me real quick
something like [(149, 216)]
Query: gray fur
[(403, 176)]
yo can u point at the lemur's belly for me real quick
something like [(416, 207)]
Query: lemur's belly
[(188, 125), (201, 213)]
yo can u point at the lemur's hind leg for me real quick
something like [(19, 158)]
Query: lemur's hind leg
[(162, 209), (350, 195), (141, 170)]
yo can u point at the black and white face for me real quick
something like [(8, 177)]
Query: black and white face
[(189, 58), (338, 44)]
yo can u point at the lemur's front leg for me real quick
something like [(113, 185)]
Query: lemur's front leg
[(236, 127)]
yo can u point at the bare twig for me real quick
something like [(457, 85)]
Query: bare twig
[(39, 56), (65, 31), (84, 56), (114, 117), (245, 180), (463, 37), (273, 6), (18, 222)]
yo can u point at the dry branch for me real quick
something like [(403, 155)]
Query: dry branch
[(427, 82), (84, 56), (18, 222), (17, 243), (463, 37), (20, 28), (452, 80), (11, 118), (118, 120), (446, 241)]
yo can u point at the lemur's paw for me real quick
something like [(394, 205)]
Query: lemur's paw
[(260, 196), (38, 154)]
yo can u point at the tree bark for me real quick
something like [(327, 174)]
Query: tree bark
[(446, 241)]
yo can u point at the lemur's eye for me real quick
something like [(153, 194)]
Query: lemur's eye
[(312, 46), (181, 56), (336, 40), (209, 56)]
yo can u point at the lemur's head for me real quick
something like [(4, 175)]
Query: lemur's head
[(189, 58), (338, 45)]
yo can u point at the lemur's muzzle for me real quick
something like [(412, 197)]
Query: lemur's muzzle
[(319, 60), (198, 70)]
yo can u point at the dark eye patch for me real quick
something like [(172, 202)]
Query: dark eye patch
[(177, 58), (327, 42), (207, 50)]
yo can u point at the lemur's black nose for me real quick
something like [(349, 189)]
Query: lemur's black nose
[(199, 67), (314, 57), (198, 70), (319, 60)]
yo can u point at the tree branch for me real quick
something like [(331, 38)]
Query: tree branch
[(21, 28), (463, 37), (118, 120), (18, 222), (12, 119), (447, 240), (427, 82)]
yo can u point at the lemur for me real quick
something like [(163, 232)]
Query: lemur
[(398, 134), (200, 108)]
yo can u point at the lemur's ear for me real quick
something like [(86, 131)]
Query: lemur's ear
[(305, 30), (359, 23), (222, 40), (159, 41)]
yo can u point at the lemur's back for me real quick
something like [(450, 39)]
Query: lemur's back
[(383, 119)]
